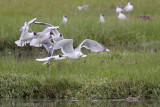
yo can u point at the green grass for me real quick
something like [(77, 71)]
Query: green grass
[(81, 24), (104, 75)]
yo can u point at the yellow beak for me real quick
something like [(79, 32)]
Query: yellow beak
[(81, 54)]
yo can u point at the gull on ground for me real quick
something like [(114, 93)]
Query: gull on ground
[(101, 19), (82, 7), (66, 46), (119, 8), (65, 19), (25, 37), (128, 8), (121, 16)]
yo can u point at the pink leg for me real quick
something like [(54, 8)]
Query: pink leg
[(68, 62), (21, 43), (48, 64)]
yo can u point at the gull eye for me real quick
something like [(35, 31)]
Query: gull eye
[(60, 56), (61, 34), (34, 33), (51, 33)]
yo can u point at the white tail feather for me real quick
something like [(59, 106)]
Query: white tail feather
[(19, 43), (38, 45), (43, 59)]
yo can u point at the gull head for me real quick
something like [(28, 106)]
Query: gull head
[(121, 12), (60, 56), (119, 5), (106, 50), (80, 54), (35, 33), (61, 35), (51, 33), (65, 16), (77, 55), (102, 14)]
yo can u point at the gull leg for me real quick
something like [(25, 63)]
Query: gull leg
[(68, 62), (24, 43), (48, 64), (39, 46), (21, 43)]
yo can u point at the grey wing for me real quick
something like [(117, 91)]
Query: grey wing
[(92, 45), (23, 27), (46, 30), (31, 21), (44, 24), (56, 33), (37, 35), (66, 46), (48, 46)]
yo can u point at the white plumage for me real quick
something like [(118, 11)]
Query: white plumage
[(65, 19), (121, 16), (128, 8), (82, 7), (66, 46), (25, 37), (101, 19), (119, 9)]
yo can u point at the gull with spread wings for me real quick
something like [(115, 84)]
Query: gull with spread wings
[(66, 46), (25, 37)]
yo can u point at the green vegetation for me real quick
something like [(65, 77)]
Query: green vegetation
[(100, 75), (131, 70), (81, 24)]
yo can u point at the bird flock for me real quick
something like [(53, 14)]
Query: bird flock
[(120, 10), (51, 39)]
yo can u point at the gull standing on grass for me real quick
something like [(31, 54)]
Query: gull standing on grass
[(25, 37), (65, 19), (119, 8), (66, 46), (101, 19), (128, 8), (121, 16)]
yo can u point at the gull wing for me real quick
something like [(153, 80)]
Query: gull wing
[(23, 27), (48, 29), (31, 21), (56, 33), (66, 46), (44, 59), (48, 44), (92, 45), (44, 24), (52, 58)]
